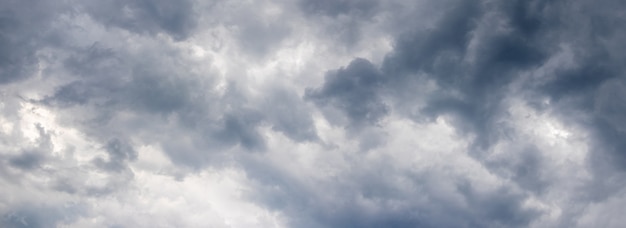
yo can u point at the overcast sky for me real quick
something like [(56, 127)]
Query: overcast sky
[(312, 113)]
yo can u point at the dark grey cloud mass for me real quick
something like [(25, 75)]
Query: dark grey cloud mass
[(354, 91), (176, 19), (306, 113), (24, 28), (337, 8)]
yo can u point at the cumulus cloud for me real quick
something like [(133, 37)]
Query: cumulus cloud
[(176, 19), (307, 113), (354, 92)]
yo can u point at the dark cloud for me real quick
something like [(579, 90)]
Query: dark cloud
[(119, 153), (35, 216), (177, 19), (525, 167), (469, 82), (476, 54), (259, 36), (337, 8), (31, 158), (107, 78), (354, 91), (481, 114), (581, 92), (24, 28), (288, 114), (26, 160), (236, 129), (418, 50), (342, 21), (373, 195), (109, 82), (474, 67), (113, 79), (500, 208)]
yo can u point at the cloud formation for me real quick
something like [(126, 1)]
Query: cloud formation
[(307, 113)]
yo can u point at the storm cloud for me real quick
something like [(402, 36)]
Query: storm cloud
[(303, 113)]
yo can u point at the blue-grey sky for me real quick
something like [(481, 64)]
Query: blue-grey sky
[(312, 113)]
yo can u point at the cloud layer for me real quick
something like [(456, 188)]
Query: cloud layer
[(305, 113)]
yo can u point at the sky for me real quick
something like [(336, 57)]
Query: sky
[(312, 113)]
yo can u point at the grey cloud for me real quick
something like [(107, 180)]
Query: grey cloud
[(288, 114), (471, 83), (259, 36), (31, 158), (376, 195), (418, 50), (342, 22), (524, 166), (443, 53), (354, 91), (95, 60), (159, 94), (24, 28), (165, 92), (119, 153), (26, 160), (237, 129), (500, 208), (177, 19), (108, 78), (466, 66), (609, 104), (475, 69), (582, 91), (337, 8), (469, 92), (36, 216)]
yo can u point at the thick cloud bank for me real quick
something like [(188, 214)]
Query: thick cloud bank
[(312, 113)]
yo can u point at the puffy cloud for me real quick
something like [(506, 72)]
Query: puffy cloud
[(312, 113), (176, 19), (25, 27), (354, 91)]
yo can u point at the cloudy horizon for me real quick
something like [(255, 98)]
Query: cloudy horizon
[(312, 113)]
